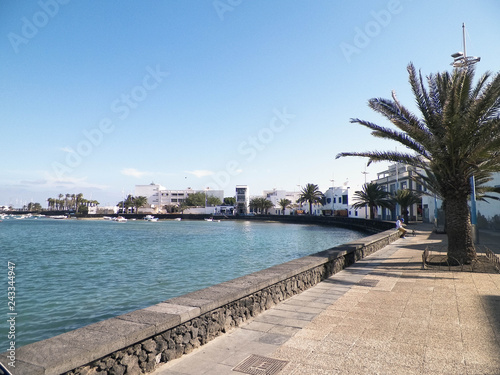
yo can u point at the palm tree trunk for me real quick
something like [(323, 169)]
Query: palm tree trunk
[(459, 231)]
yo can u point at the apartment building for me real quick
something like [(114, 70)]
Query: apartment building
[(398, 177), (159, 196)]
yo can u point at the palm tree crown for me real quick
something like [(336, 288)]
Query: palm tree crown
[(284, 203), (457, 137), (372, 196), (310, 193), (406, 198)]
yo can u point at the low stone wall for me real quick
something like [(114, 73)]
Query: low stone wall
[(373, 226), (137, 342)]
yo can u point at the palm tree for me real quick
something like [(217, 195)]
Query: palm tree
[(254, 204), (406, 198), (372, 196), (284, 203), (310, 193), (266, 205), (78, 200), (139, 202), (260, 204), (456, 137)]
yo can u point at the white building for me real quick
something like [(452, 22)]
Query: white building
[(158, 196), (338, 202), (275, 196), (400, 178)]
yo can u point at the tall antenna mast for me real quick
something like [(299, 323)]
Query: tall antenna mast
[(461, 60)]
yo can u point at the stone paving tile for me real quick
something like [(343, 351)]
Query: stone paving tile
[(284, 330)]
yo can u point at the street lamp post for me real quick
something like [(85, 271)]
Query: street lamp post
[(333, 197), (366, 206)]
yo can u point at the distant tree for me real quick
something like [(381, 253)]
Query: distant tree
[(78, 201), (284, 203), (260, 204), (310, 193), (51, 203), (37, 207), (230, 201), (372, 196), (213, 201), (266, 205), (406, 198), (171, 208), (125, 204), (196, 200), (139, 202)]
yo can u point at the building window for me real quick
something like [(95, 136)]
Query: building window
[(344, 199)]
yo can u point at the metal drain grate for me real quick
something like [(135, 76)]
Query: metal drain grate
[(258, 365), (368, 282)]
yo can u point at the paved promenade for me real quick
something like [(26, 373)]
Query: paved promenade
[(383, 315)]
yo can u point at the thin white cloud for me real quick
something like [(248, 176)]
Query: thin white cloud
[(133, 172), (200, 173), (67, 149)]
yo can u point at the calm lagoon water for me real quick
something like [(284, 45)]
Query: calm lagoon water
[(70, 273)]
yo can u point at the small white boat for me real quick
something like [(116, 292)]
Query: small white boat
[(150, 218), (121, 219), (212, 219), (177, 219), (58, 217), (107, 218)]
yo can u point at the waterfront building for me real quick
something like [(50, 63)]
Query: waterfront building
[(158, 196), (398, 177), (242, 200), (275, 196), (337, 202)]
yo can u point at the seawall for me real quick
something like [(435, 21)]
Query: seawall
[(138, 341)]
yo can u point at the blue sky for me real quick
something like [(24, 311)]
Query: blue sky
[(99, 98)]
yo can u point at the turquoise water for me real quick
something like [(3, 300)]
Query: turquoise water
[(70, 273)]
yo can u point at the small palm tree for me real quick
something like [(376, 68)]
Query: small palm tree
[(406, 198), (456, 138), (78, 201), (266, 205), (284, 203), (372, 196), (260, 204), (139, 202), (310, 193)]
